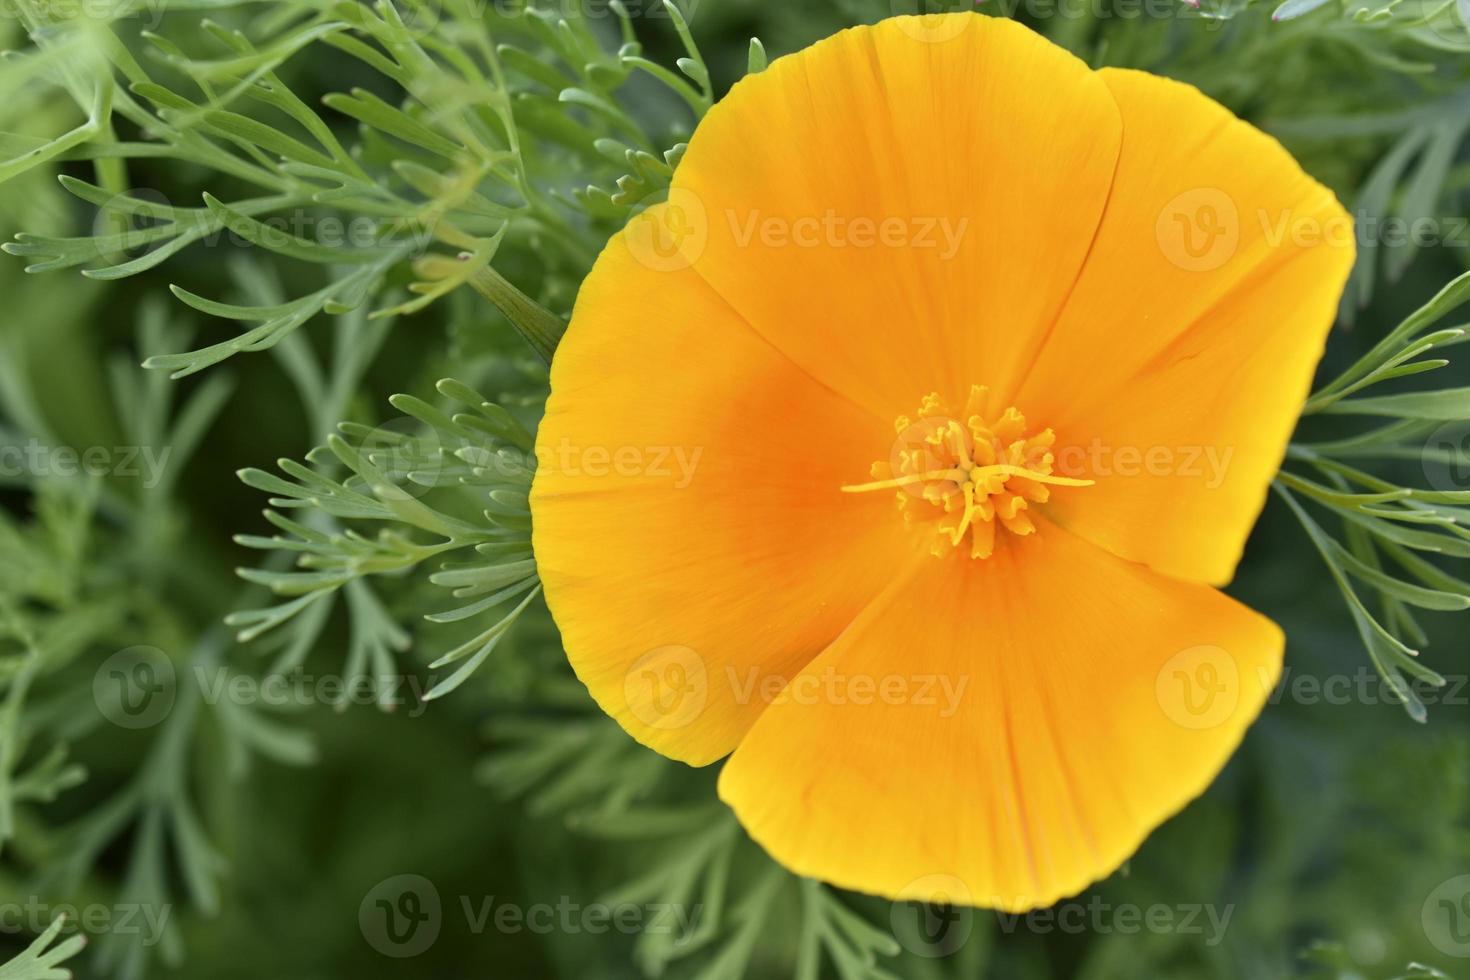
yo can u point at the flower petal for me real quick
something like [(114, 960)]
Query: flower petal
[(688, 520), (902, 208), (1045, 709), (1178, 369)]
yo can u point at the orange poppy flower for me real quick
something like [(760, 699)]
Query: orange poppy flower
[(1066, 319)]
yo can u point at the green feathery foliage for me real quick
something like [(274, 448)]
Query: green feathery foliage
[(356, 165), (41, 960)]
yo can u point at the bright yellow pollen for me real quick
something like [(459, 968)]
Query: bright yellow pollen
[(972, 474)]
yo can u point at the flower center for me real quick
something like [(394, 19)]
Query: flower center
[(962, 473)]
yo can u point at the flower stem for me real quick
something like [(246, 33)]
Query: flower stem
[(540, 327)]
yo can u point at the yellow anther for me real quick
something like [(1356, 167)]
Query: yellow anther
[(986, 470)]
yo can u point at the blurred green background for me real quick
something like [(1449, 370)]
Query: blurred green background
[(1323, 841)]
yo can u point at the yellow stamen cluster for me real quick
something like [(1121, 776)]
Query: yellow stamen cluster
[(965, 473)]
